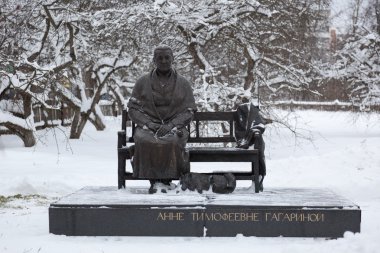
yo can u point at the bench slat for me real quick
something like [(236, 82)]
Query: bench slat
[(208, 116), (211, 139), (221, 158), (238, 175), (201, 116), (206, 154), (221, 150)]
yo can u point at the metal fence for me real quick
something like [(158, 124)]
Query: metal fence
[(324, 106), (44, 117)]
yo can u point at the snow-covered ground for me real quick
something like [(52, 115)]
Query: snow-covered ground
[(343, 156)]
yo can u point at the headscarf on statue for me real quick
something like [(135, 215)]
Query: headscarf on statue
[(247, 121)]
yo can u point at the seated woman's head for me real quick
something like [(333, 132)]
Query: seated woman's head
[(163, 58)]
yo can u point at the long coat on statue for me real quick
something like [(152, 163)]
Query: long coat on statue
[(161, 157)]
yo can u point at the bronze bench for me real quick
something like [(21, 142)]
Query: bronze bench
[(197, 154)]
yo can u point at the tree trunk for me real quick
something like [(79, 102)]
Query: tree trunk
[(119, 102), (97, 122), (26, 135), (28, 138), (74, 134), (79, 121), (249, 79), (355, 15), (377, 11)]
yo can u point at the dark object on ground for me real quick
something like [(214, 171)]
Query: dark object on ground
[(195, 181), (220, 183), (225, 183)]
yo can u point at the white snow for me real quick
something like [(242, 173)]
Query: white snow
[(110, 195), (343, 157), (27, 123)]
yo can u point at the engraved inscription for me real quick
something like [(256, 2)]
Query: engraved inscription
[(170, 216), (225, 216), (243, 216), (294, 217)]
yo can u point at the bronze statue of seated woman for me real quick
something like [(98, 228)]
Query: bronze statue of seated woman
[(162, 104)]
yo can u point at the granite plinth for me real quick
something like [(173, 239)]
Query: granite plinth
[(288, 212)]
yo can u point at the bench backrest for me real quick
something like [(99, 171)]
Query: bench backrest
[(212, 116), (198, 118)]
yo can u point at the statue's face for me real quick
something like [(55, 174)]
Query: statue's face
[(163, 60)]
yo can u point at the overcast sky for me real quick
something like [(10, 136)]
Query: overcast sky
[(339, 13)]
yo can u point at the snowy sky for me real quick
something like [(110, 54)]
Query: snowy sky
[(339, 14)]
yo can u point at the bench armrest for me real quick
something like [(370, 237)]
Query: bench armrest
[(121, 139), (257, 140)]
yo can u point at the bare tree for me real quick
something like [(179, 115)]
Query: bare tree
[(240, 44), (35, 48), (79, 50), (59, 49), (358, 60)]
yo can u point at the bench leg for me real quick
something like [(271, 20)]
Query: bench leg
[(121, 172), (255, 171)]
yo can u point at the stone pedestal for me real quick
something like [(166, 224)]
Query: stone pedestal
[(288, 212)]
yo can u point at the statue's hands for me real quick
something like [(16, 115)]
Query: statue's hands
[(164, 129), (153, 126)]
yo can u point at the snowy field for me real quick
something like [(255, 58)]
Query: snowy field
[(343, 156)]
